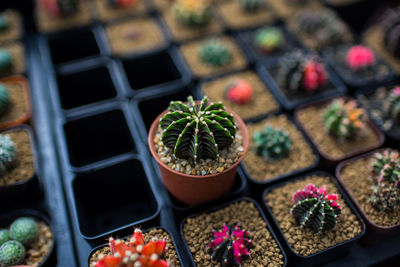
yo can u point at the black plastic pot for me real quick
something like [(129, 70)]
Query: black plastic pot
[(9, 217), (335, 87), (215, 208), (322, 256)]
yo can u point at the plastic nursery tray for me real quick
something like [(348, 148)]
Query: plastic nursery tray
[(322, 256), (268, 67)]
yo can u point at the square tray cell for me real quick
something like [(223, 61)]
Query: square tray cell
[(113, 197), (86, 87), (97, 138), (151, 70), (72, 45)]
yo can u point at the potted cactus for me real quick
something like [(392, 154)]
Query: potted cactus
[(107, 10), (189, 19), (348, 130), (358, 65), (287, 8), (240, 14), (10, 26), (213, 56), (54, 15), (372, 181), (198, 146), (12, 59)]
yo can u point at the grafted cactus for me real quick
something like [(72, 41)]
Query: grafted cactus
[(239, 91), (251, 5), (230, 245), (360, 57), (315, 209), (197, 130), (272, 144), (61, 8), (193, 13)]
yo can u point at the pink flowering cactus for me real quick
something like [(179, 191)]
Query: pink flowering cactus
[(360, 57), (315, 76)]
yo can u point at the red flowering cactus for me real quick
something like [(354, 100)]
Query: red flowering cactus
[(314, 76), (135, 254), (230, 245), (360, 57), (239, 91), (60, 8), (314, 208)]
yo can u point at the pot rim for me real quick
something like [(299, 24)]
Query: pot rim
[(239, 122)]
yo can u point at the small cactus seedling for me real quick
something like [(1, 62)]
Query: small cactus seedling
[(4, 23), (393, 107), (299, 72), (239, 91), (122, 3), (251, 5), (360, 57), (5, 61), (343, 119), (4, 99), (314, 208), (386, 171), (11, 253), (215, 53), (8, 154), (135, 253), (230, 245), (197, 131), (24, 230), (391, 29), (60, 8), (193, 13), (269, 39), (271, 143), (4, 236)]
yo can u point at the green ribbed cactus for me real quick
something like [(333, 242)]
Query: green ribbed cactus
[(8, 154), (11, 253), (5, 61), (4, 99), (4, 236), (4, 23), (197, 130), (271, 143), (251, 5), (215, 53), (24, 230)]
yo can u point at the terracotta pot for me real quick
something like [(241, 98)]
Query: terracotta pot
[(24, 117), (196, 189)]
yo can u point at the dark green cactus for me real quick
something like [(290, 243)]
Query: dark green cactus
[(197, 131), (272, 144), (215, 53), (8, 154), (4, 99), (4, 23), (4, 236), (5, 61), (251, 5), (11, 253), (24, 230)]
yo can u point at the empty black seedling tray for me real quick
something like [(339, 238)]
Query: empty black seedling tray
[(325, 255)]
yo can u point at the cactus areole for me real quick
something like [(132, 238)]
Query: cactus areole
[(197, 130)]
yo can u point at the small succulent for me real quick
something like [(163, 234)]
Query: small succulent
[(269, 39), (4, 99), (360, 57), (215, 53), (386, 171), (135, 253), (11, 253), (24, 230), (300, 72), (4, 236), (122, 3), (4, 23), (343, 119), (251, 5), (193, 13), (8, 154), (5, 61), (271, 143), (393, 107), (391, 29), (314, 208), (197, 130), (239, 91), (61, 8), (230, 245)]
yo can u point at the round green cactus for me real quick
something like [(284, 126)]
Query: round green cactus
[(272, 144), (269, 39), (11, 253), (215, 53), (251, 5), (8, 154), (4, 23), (24, 230), (193, 13), (5, 61), (4, 99), (4, 236), (197, 131)]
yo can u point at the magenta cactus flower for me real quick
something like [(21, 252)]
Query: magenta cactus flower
[(360, 57), (230, 245)]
